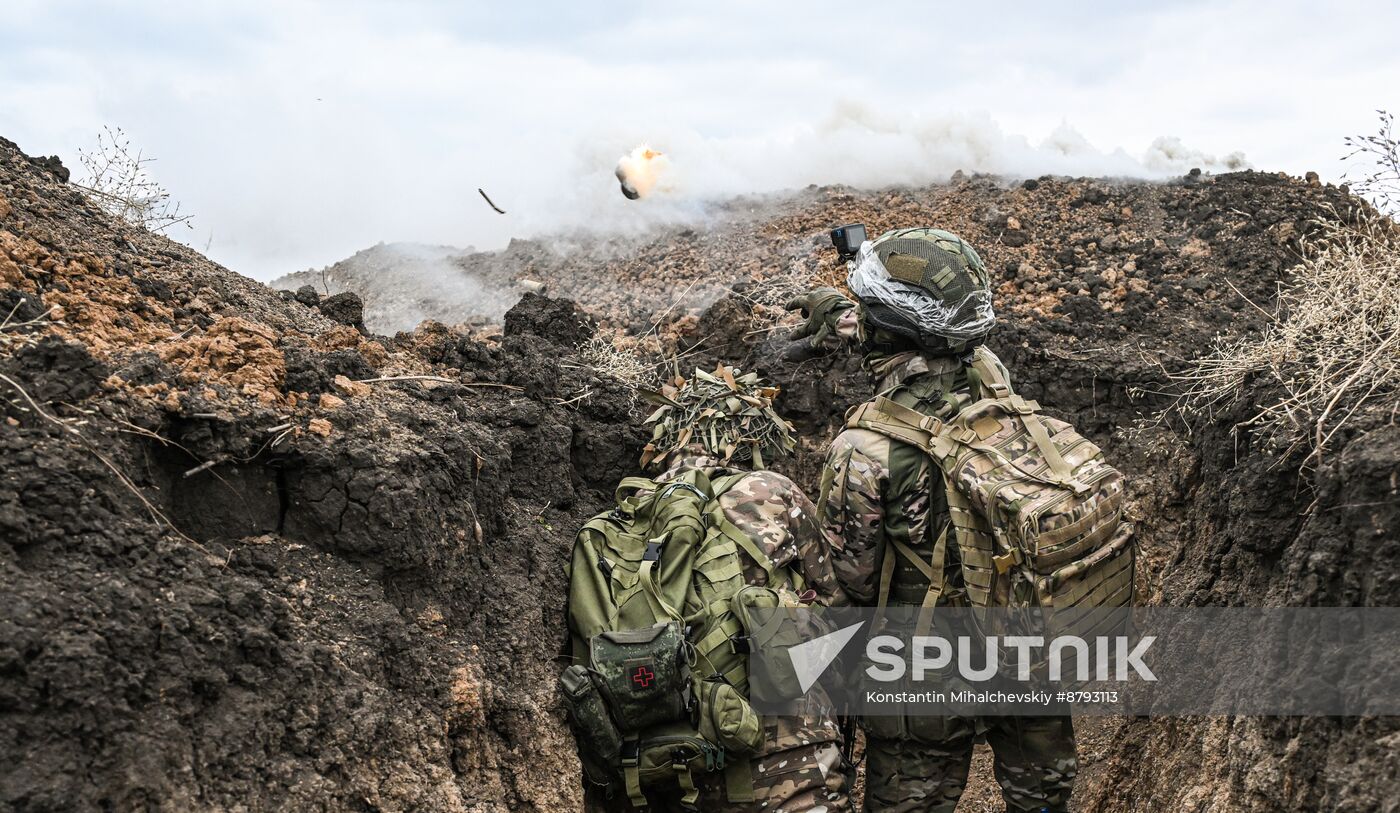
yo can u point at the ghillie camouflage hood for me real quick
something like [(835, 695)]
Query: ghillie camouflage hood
[(728, 415)]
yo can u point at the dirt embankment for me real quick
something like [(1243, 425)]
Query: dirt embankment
[(240, 574), (1102, 252), (1223, 520), (236, 578)]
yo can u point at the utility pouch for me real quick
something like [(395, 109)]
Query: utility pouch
[(728, 719), (670, 757), (643, 674), (599, 741), (769, 630)]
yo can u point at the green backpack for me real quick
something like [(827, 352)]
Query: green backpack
[(1036, 510), (659, 624)]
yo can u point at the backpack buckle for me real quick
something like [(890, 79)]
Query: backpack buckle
[(965, 436), (653, 551), (674, 487), (1008, 560), (739, 644)]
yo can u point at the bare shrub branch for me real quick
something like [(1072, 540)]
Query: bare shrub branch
[(1380, 177), (769, 295), (117, 179)]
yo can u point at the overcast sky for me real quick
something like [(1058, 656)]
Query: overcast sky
[(299, 132)]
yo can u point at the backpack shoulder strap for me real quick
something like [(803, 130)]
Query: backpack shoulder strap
[(986, 376), (738, 780), (909, 426), (925, 432), (901, 423), (627, 490)]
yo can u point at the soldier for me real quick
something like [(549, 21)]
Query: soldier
[(923, 311), (800, 765)]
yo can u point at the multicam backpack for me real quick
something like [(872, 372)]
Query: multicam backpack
[(658, 621), (1036, 511)]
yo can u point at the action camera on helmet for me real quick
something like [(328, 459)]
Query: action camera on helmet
[(847, 239)]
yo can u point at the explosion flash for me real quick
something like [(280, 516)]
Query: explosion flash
[(639, 170)]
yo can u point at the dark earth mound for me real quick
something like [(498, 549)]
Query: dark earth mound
[(252, 558), (1102, 254), (301, 592)]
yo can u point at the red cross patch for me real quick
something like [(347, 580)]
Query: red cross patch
[(642, 676)]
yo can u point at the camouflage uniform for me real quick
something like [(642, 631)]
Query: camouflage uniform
[(807, 777), (799, 767), (1034, 764), (874, 491)]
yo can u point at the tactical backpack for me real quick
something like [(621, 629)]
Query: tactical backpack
[(1036, 511), (660, 626)]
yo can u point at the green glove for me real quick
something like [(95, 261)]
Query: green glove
[(822, 307)]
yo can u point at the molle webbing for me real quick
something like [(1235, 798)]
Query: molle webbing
[(667, 552), (1036, 510)]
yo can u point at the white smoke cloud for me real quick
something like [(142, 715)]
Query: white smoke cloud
[(855, 144), (861, 146), (404, 283), (300, 132), (1168, 155)]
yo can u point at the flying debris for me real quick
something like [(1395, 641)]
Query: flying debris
[(628, 190), (638, 171), (498, 209)]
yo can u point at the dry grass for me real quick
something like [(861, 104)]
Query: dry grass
[(774, 291), (1332, 344), (769, 295), (618, 356)]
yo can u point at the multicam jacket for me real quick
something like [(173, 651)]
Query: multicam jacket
[(784, 523), (780, 518), (876, 490)]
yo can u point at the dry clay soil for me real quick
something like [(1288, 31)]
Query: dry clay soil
[(253, 558)]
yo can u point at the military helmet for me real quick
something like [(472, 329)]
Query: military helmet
[(727, 414), (926, 286)]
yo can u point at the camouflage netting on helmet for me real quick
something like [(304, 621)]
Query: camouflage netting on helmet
[(730, 416), (925, 284)]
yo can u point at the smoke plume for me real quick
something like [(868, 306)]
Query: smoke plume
[(678, 172)]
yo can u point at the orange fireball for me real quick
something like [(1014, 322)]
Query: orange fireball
[(639, 170)]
